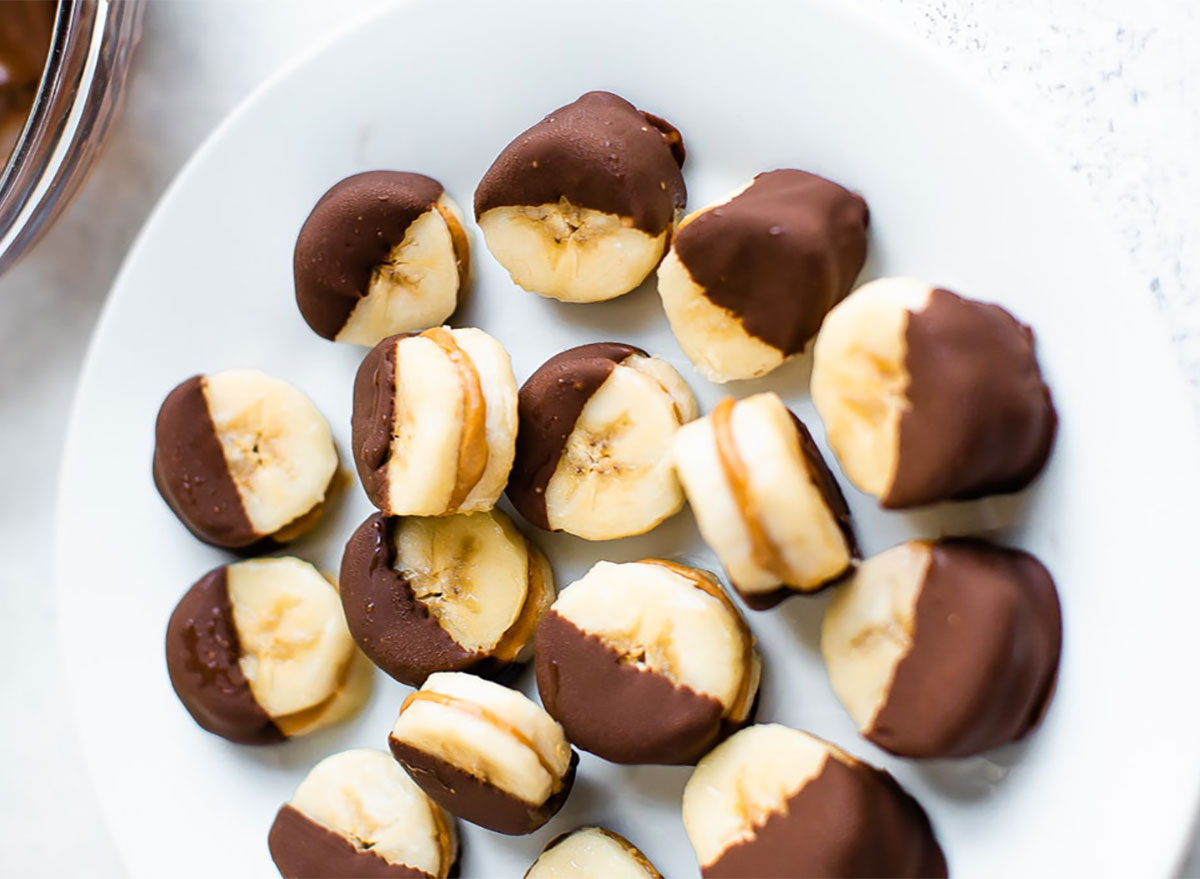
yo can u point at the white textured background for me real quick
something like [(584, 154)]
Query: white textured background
[(1111, 86)]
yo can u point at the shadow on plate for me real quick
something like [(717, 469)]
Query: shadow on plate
[(972, 778), (789, 380), (658, 784), (299, 755), (614, 319), (988, 517), (804, 613)]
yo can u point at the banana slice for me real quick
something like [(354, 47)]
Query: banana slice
[(581, 206), (646, 662), (764, 499), (591, 853), (240, 456), (484, 752), (435, 422), (351, 693), (927, 396), (356, 815), (382, 252), (291, 633), (749, 278), (593, 449), (944, 648), (454, 593), (775, 801), (258, 651)]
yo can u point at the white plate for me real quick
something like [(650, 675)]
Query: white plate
[(1107, 785)]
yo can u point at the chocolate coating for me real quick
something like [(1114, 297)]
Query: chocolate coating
[(778, 255), (389, 624), (985, 647), (599, 152), (851, 820), (471, 799), (202, 661), (827, 484), (548, 406), (303, 849), (190, 470), (351, 232), (980, 419), (616, 710), (834, 499), (372, 418), (672, 134)]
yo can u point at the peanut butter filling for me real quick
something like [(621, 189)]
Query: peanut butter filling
[(458, 240), (482, 713), (445, 841), (472, 443), (762, 547)]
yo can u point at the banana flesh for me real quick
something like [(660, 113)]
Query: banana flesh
[(418, 285), (277, 446), (571, 253)]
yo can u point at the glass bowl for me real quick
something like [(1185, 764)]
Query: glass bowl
[(78, 96)]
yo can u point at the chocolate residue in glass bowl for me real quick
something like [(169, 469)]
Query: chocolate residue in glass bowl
[(25, 30)]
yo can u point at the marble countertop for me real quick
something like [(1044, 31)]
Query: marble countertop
[(1112, 87)]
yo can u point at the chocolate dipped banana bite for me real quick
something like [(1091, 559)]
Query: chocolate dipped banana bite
[(749, 279), (434, 424), (258, 651), (484, 752), (647, 662), (774, 803), (383, 252), (243, 457), (581, 206), (357, 815), (944, 648), (447, 593), (593, 449), (928, 396)]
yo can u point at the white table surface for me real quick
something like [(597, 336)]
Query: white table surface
[(1113, 87)]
